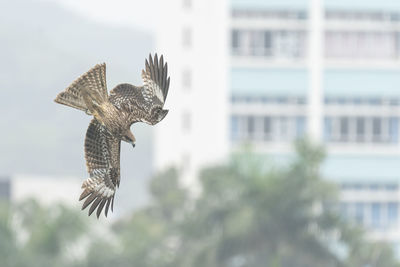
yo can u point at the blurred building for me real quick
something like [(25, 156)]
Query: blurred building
[(193, 35), (332, 73), (47, 190)]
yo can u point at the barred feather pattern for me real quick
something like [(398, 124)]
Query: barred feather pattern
[(137, 102), (128, 99), (102, 153), (113, 115), (94, 80), (155, 81)]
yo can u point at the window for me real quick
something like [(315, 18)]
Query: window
[(186, 122), (288, 44), (375, 101), (360, 128), (359, 213), (255, 43), (361, 45), (393, 209), (250, 126), (374, 187), (187, 37), (394, 130), (187, 4), (268, 43), (328, 129), (344, 209), (376, 129), (234, 128), (282, 100), (186, 162), (187, 78), (398, 44), (391, 187), (362, 101), (235, 41), (267, 128), (283, 129), (300, 126), (393, 102), (344, 128), (269, 14), (376, 214)]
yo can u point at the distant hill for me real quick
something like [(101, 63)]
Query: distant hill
[(43, 48)]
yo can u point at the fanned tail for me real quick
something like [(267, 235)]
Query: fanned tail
[(72, 97), (88, 90), (94, 99)]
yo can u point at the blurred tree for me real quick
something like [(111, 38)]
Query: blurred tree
[(32, 235), (253, 215), (8, 240), (49, 233), (149, 237), (249, 214), (363, 252)]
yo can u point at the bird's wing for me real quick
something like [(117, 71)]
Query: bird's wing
[(102, 153), (94, 80), (153, 92), (155, 80)]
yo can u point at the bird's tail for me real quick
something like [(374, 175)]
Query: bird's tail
[(87, 92)]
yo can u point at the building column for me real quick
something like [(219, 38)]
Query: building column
[(315, 69)]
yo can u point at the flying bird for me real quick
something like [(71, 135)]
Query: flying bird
[(113, 115)]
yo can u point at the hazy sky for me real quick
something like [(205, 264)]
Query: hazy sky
[(140, 14)]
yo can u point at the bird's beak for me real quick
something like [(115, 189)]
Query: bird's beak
[(133, 145)]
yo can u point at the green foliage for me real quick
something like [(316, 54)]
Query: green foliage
[(32, 235), (8, 244), (251, 216), (249, 213)]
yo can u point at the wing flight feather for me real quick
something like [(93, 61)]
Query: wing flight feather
[(102, 153), (155, 80), (130, 98)]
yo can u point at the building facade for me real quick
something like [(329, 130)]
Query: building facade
[(339, 67), (268, 72), (193, 37), (46, 190)]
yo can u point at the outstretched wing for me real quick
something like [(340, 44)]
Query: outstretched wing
[(154, 91), (156, 82), (94, 80), (102, 153)]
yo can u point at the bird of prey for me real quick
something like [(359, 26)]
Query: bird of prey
[(113, 116)]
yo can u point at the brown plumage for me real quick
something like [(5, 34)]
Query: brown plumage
[(113, 116)]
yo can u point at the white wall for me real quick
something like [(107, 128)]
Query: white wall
[(204, 104), (46, 190)]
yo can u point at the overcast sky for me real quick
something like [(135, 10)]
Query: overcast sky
[(140, 14)]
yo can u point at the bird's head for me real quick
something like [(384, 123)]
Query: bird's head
[(128, 137), (157, 114)]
